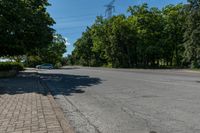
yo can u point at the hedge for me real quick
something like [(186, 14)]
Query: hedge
[(7, 66)]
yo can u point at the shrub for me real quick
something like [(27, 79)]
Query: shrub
[(7, 66), (57, 65), (33, 61), (195, 65)]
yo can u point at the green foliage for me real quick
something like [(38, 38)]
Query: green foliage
[(195, 64), (149, 30), (84, 48), (174, 18), (24, 26), (6, 66), (117, 44), (52, 54), (69, 60), (32, 61), (192, 34), (148, 37), (64, 61), (57, 65)]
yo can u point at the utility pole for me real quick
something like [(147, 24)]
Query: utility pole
[(109, 9)]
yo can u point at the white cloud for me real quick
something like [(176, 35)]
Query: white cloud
[(67, 42)]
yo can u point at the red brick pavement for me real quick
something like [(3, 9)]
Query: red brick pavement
[(24, 108)]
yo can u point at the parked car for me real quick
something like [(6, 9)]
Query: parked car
[(44, 66)]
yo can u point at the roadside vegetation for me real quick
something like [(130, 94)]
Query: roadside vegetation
[(26, 34), (6, 66), (53, 53), (147, 37), (10, 69)]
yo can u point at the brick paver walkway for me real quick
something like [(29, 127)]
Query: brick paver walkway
[(24, 107)]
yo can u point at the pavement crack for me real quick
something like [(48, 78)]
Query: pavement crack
[(132, 113), (82, 115)]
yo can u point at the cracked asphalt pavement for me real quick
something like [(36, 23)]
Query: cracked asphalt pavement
[(98, 100)]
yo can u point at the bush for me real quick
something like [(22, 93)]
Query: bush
[(7, 66), (195, 65), (33, 61), (57, 65)]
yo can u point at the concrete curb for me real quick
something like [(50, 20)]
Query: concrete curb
[(66, 127), (59, 113)]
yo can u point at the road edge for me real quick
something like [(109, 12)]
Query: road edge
[(191, 71), (64, 123)]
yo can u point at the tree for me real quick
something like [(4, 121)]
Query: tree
[(192, 34), (24, 26), (99, 37), (174, 18), (84, 48), (149, 25), (148, 37), (52, 54), (120, 41)]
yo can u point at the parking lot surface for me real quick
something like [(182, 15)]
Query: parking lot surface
[(127, 101)]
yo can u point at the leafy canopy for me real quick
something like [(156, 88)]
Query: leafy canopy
[(24, 26)]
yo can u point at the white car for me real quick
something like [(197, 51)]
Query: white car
[(44, 66)]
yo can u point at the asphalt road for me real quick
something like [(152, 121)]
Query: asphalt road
[(97, 100)]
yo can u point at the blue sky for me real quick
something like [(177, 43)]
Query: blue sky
[(73, 16)]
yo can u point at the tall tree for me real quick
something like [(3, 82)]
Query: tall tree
[(149, 25), (24, 26), (84, 48), (149, 37), (55, 50), (192, 34), (174, 18), (53, 53)]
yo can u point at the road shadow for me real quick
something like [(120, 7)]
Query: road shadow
[(58, 84), (68, 84), (20, 85)]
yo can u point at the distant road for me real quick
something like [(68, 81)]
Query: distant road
[(127, 101)]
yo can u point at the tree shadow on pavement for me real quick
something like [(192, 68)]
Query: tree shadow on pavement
[(58, 84), (62, 84), (20, 85), (68, 84)]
